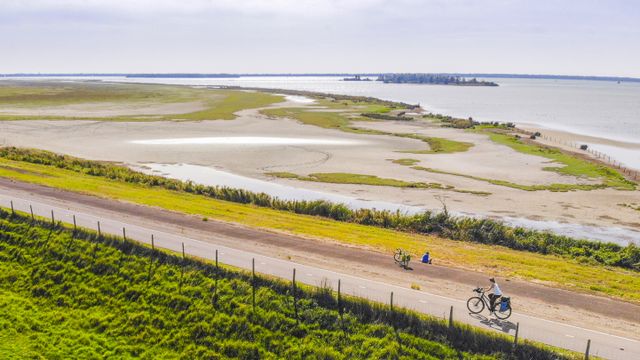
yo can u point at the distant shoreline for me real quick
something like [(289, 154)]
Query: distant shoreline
[(230, 75)]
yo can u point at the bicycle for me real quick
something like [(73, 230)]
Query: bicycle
[(402, 258), (476, 304)]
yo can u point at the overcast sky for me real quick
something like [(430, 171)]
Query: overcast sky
[(581, 37)]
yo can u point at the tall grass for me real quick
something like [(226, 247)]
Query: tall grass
[(72, 293), (483, 231)]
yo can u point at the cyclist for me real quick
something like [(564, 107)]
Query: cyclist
[(497, 293)]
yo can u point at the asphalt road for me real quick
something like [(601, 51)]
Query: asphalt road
[(542, 330)]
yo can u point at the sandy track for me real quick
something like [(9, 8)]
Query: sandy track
[(599, 313)]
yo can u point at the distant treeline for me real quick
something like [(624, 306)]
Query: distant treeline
[(477, 230), (436, 79), (463, 75)]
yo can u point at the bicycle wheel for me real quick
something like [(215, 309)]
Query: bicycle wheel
[(475, 305), (502, 315), (397, 256)]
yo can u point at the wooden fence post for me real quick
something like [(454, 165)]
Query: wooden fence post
[(451, 317), (99, 232), (75, 227), (216, 260), (33, 218), (586, 353), (53, 220), (515, 340), (12, 211), (253, 283), (124, 234), (183, 257), (339, 299), (293, 291), (153, 244)]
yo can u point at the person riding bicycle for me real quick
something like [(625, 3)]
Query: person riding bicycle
[(497, 293)]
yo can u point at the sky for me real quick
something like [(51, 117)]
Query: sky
[(574, 37)]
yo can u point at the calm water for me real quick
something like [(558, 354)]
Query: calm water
[(597, 108)]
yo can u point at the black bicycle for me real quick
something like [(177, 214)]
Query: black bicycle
[(502, 307)]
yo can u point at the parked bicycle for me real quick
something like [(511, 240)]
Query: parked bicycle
[(501, 309), (402, 258)]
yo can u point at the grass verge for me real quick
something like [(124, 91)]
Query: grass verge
[(73, 294), (580, 273)]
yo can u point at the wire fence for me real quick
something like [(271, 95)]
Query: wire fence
[(584, 148)]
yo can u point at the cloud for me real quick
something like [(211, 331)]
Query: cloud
[(285, 7)]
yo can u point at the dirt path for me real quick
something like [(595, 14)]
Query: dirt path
[(598, 313)]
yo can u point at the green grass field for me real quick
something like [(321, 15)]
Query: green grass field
[(555, 271), (371, 180), (71, 294), (219, 104)]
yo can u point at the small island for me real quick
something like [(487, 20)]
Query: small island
[(356, 78), (435, 79)]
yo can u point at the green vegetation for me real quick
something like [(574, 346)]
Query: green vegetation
[(556, 187), (405, 162), (73, 294), (437, 145), (631, 206), (218, 104), (342, 120), (576, 265), (571, 165), (360, 179)]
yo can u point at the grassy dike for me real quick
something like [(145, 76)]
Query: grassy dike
[(71, 294), (570, 273)]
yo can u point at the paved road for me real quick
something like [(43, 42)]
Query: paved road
[(549, 332)]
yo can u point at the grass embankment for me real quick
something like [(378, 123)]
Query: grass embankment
[(372, 180), (72, 294), (580, 267), (40, 96)]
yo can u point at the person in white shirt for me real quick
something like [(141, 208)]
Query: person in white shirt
[(497, 293)]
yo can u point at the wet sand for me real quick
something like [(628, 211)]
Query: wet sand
[(335, 151)]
